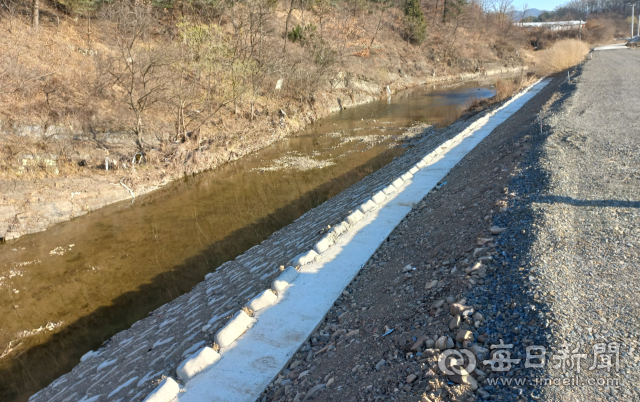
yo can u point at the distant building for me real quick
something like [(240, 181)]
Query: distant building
[(552, 26)]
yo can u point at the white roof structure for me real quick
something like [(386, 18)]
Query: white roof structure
[(553, 26)]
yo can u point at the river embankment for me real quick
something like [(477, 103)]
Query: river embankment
[(41, 193)]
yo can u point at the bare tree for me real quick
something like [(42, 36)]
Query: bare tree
[(35, 13), (382, 10), (502, 11), (212, 74), (286, 25), (138, 68), (321, 9), (525, 8)]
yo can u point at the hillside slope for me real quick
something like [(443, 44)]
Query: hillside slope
[(155, 93)]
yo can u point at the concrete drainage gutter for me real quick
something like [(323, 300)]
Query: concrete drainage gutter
[(261, 338)]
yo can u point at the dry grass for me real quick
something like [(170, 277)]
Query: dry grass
[(58, 104), (562, 55), (505, 88)]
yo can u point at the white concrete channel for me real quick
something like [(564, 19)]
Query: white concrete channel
[(257, 348)]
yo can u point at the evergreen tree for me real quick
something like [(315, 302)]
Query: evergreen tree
[(414, 22)]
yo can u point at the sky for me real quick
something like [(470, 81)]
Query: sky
[(548, 5)]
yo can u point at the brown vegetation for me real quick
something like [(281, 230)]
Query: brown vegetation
[(190, 85), (505, 88), (185, 86), (560, 56)]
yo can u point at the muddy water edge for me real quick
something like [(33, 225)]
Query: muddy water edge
[(67, 290)]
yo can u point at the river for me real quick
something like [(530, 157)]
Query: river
[(66, 290)]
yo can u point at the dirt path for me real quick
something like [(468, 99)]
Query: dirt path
[(379, 343), (560, 280)]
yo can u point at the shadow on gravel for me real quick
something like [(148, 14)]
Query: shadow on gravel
[(556, 199), (511, 296)]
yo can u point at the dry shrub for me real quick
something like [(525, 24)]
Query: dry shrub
[(562, 55), (505, 88), (599, 31), (219, 99)]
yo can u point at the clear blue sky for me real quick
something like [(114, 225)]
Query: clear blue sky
[(539, 4)]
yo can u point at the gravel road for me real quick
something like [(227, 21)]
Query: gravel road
[(586, 249), (532, 241)]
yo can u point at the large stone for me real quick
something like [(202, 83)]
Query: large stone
[(464, 335), (306, 258), (441, 343), (313, 391), (471, 382), (458, 378), (457, 309), (367, 206), (379, 197), (390, 189), (480, 251), (322, 245), (463, 378), (355, 217), (418, 344), (478, 350), (496, 230), (474, 268), (450, 343), (339, 229), (454, 323), (482, 240), (397, 183)]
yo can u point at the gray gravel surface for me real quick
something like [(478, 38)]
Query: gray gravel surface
[(586, 246), (562, 177), (566, 273)]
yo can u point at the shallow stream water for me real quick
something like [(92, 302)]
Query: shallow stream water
[(66, 290)]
